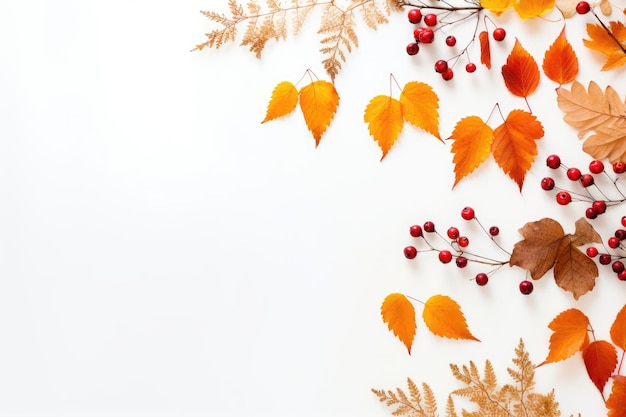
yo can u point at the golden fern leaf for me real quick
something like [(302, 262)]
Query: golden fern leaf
[(394, 5), (450, 408), (416, 406), (372, 15), (301, 12), (338, 25), (430, 403)]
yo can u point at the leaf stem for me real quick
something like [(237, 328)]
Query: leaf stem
[(608, 31)]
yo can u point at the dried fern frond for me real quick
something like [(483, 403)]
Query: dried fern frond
[(419, 405)]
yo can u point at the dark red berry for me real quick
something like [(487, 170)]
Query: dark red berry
[(620, 234), (471, 67), (499, 34), (412, 48), (587, 180), (453, 233), (563, 198), (410, 252), (590, 213), (461, 261), (415, 230), (429, 227), (622, 275), (592, 251), (430, 19), (553, 161), (624, 221), (441, 66), (450, 40), (583, 7), (447, 74), (613, 242), (426, 35), (617, 266), (599, 206), (415, 15), (596, 166), (445, 256), (573, 174), (604, 259), (619, 167), (494, 231), (482, 279), (526, 287), (547, 183), (463, 241), (468, 213)]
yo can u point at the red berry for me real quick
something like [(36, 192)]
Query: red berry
[(463, 241), (441, 66), (410, 252), (416, 33), (468, 213), (553, 161), (471, 67), (430, 19), (526, 287), (547, 183), (445, 256), (613, 242), (461, 261), (617, 266), (415, 230), (604, 259), (624, 221), (573, 174), (563, 198), (429, 227), (447, 74), (415, 15), (590, 213), (412, 48), (482, 279), (596, 166), (499, 34), (426, 35), (592, 251), (450, 40), (599, 206), (583, 7), (453, 233), (620, 234), (619, 167), (587, 180), (494, 231), (622, 275)]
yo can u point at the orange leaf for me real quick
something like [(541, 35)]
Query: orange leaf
[(618, 329), (603, 42), (419, 107), (521, 73), (318, 102), (496, 7), (600, 360), (570, 335), (384, 116), (514, 146), (616, 404), (443, 317), (471, 146), (527, 9), (399, 314), (560, 63), (485, 50), (284, 100)]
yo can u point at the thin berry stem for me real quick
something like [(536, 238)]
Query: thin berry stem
[(491, 237)]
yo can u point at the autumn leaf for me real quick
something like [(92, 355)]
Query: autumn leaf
[(384, 117), (521, 73), (514, 146), (419, 107), (603, 113), (443, 317), (485, 49), (318, 102), (537, 252), (570, 335), (613, 47), (497, 7), (600, 360), (284, 100), (618, 329), (527, 9), (560, 63), (472, 145), (616, 404), (584, 233), (399, 314), (573, 270)]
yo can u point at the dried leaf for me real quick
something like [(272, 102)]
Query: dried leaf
[(419, 107), (497, 7), (613, 47), (573, 270), (585, 233), (472, 145), (567, 7), (537, 252), (399, 314), (485, 49), (560, 63), (443, 317), (606, 8), (618, 329), (616, 403), (284, 100), (384, 117), (514, 146), (600, 360), (570, 335), (528, 9), (521, 73), (318, 102)]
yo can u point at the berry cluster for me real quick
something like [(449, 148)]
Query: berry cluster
[(455, 248), (588, 190), (615, 260)]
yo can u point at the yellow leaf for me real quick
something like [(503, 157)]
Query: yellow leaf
[(496, 7), (419, 107), (570, 335), (318, 102), (527, 9), (384, 117), (399, 314), (471, 146), (284, 100), (443, 317)]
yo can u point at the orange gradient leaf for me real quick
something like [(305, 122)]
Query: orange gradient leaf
[(384, 117), (443, 317), (616, 404), (318, 102), (399, 314), (284, 100), (618, 329), (419, 107), (527, 9), (485, 49), (521, 73), (603, 42), (514, 147), (560, 63), (497, 7), (472, 145), (600, 360), (570, 335)]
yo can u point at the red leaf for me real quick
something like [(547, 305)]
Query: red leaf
[(600, 360), (521, 73), (485, 51)]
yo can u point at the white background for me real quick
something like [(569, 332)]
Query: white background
[(164, 254)]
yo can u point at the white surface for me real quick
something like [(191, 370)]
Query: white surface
[(164, 254)]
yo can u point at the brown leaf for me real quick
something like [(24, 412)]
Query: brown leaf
[(569, 335), (573, 270), (600, 360), (537, 252), (585, 233), (560, 63), (399, 314), (521, 73)]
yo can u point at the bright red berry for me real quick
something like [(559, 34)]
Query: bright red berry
[(412, 48), (494, 230), (592, 251), (415, 230), (547, 183), (619, 167), (429, 227), (410, 252), (590, 213), (463, 241), (453, 233), (461, 261), (587, 180), (482, 279), (447, 74), (441, 66), (622, 275), (415, 15), (430, 19), (563, 198), (470, 67), (468, 213), (613, 242), (499, 34), (426, 35), (573, 174), (596, 166), (445, 256), (450, 40), (416, 33), (599, 206), (526, 287), (604, 259), (617, 266), (624, 221), (583, 7), (553, 161)]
